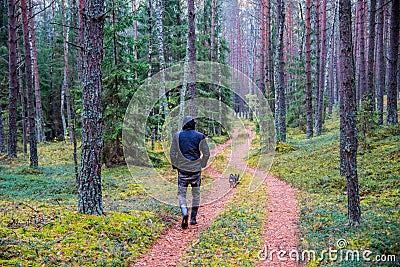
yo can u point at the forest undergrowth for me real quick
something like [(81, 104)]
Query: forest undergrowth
[(313, 167)]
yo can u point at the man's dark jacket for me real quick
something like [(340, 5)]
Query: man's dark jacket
[(186, 149)]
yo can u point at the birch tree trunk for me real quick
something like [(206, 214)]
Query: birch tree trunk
[(64, 87), (38, 103), (22, 95), (160, 39), (348, 132), (29, 87)]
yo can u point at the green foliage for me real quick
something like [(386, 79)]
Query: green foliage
[(39, 225), (283, 147), (220, 139), (314, 168), (57, 236)]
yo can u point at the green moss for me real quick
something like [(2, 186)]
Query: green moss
[(40, 226), (314, 168)]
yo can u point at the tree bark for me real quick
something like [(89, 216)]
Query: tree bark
[(135, 33), (369, 95), (321, 86), (22, 95), (13, 79), (2, 145), (270, 59), (192, 57), (280, 112), (64, 87), (362, 79), (89, 190), (150, 53), (348, 132), (318, 74), (38, 103), (309, 110), (380, 61), (212, 41), (262, 52), (29, 87), (392, 117), (160, 39)]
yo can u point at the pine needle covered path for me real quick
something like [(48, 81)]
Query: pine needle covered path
[(170, 246), (280, 230)]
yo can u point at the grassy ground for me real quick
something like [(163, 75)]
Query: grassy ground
[(313, 166), (39, 224)]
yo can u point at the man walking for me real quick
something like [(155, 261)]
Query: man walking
[(189, 153)]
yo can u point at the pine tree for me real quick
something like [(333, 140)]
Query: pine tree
[(348, 132), (89, 188)]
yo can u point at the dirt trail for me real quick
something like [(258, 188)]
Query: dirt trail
[(170, 246), (280, 230)]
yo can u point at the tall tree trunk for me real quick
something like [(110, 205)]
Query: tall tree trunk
[(392, 118), (280, 112), (192, 57), (29, 85), (318, 74), (262, 49), (348, 132), (321, 86), (219, 30), (66, 77), (2, 145), (179, 32), (270, 59), (64, 87), (135, 48), (90, 194), (13, 79), (22, 95), (212, 41), (38, 103), (150, 53), (362, 80), (369, 94), (160, 39), (380, 61), (309, 109)]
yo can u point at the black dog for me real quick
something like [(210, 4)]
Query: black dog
[(233, 180)]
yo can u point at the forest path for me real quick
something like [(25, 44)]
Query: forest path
[(281, 226), (280, 229), (172, 244)]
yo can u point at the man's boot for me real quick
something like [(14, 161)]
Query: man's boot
[(193, 215), (185, 217)]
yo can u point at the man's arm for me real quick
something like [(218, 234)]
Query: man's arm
[(205, 150), (173, 153)]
